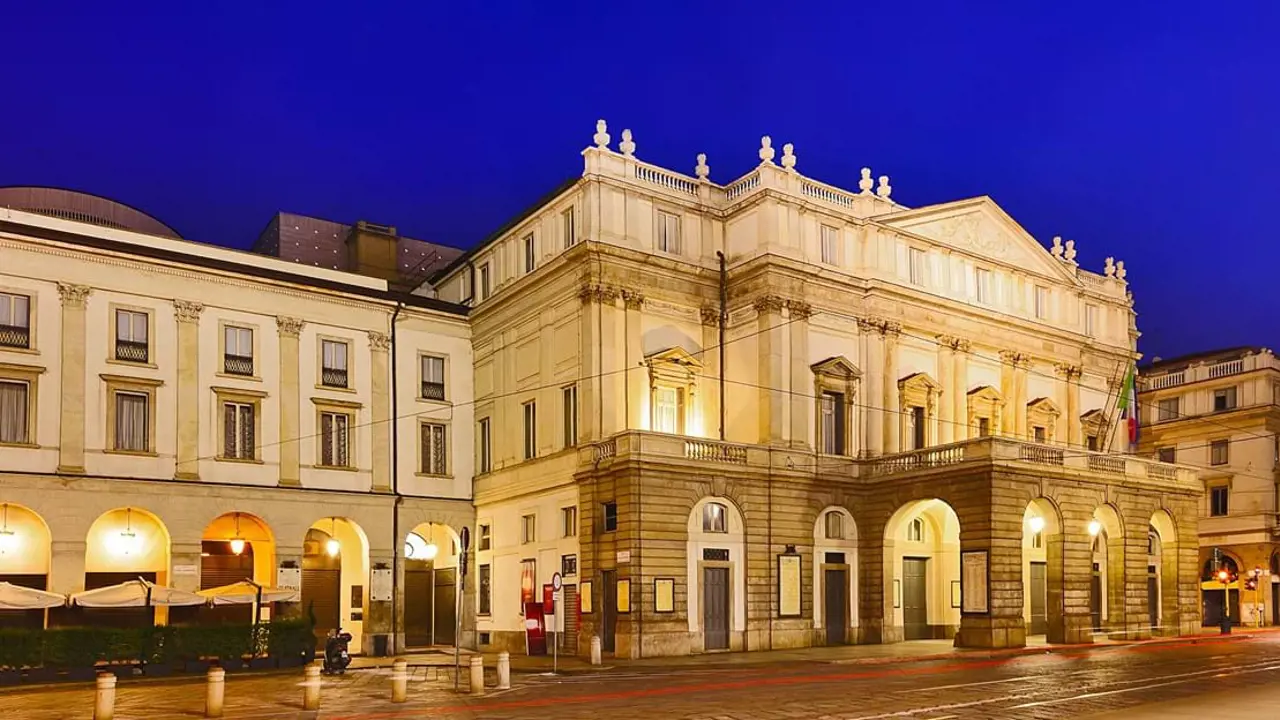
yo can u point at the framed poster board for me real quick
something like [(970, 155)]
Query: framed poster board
[(664, 595), (584, 597), (624, 596), (955, 593), (975, 582), (897, 593), (788, 585)]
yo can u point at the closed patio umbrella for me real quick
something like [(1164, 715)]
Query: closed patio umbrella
[(17, 597), (136, 593), (248, 592)]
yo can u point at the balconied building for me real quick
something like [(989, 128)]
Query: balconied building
[(196, 416), (1220, 411), (892, 428)]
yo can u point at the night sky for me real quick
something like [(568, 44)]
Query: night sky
[(1150, 136)]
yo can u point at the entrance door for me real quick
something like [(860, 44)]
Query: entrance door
[(835, 600), (417, 603), (1153, 596), (1275, 604), (570, 610), (1039, 618), (915, 603), (715, 608), (445, 602), (1095, 598), (609, 610), (1212, 611)]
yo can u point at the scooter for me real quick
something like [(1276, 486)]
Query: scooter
[(336, 658)]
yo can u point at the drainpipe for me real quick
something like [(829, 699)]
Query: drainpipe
[(395, 490)]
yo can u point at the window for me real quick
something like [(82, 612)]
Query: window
[(485, 531), (15, 320), (568, 565), (1224, 399), (569, 521), (916, 257), (530, 430), (1038, 433), (984, 427), (237, 350), (917, 428), (131, 336), (570, 397), (835, 525), (830, 238), (1218, 501), (1091, 442), (432, 378), (133, 422), (1167, 409), (15, 409), (484, 281), (238, 428), (915, 531), (982, 284), (530, 254), (486, 590), (486, 451), (1219, 452), (714, 518), (833, 411), (1090, 320), (528, 529), (334, 440), (1167, 454), (668, 233), (1037, 540), (667, 410), (568, 227), (1042, 302), (333, 363), (610, 513), (434, 449)]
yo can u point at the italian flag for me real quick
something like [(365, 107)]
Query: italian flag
[(1129, 406)]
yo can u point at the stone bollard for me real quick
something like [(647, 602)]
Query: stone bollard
[(504, 670), (477, 675), (215, 684), (104, 703), (399, 680), (311, 687), (595, 651)]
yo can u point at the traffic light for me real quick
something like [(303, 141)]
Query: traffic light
[(1251, 584)]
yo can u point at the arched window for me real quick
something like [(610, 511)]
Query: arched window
[(835, 525), (714, 518), (915, 530)]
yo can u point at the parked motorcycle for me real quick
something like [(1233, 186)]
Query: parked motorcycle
[(336, 657)]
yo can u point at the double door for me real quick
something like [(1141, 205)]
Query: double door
[(915, 599)]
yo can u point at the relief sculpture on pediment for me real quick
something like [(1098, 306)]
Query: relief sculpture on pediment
[(970, 231)]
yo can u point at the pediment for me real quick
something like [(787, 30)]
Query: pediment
[(1043, 404), (919, 380), (1094, 419), (674, 356), (838, 366), (986, 393), (981, 227)]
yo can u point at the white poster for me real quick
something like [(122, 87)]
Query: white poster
[(380, 585), (973, 581), (289, 578)]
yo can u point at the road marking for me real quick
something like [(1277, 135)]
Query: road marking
[(933, 688)]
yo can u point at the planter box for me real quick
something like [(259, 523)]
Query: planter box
[(10, 677), (82, 674), (41, 675)]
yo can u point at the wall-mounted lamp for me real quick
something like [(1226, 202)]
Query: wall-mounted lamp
[(8, 538), (333, 547), (1095, 527), (126, 541), (237, 542), (1036, 523)]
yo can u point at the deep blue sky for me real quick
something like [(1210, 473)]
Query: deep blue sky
[(1153, 136)]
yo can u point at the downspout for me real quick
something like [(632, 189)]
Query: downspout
[(395, 490), (724, 320)]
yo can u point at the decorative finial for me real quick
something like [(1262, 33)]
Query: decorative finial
[(602, 135), (884, 189), (866, 183), (1070, 253), (1056, 250), (766, 149), (627, 147), (702, 170), (788, 157), (1120, 271), (1110, 269)]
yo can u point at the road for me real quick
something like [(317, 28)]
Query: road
[(1204, 679)]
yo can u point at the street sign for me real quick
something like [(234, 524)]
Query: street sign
[(464, 538), (556, 582)]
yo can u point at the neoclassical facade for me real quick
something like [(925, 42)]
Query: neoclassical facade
[(885, 423)]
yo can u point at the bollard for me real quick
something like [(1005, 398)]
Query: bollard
[(104, 704), (399, 680), (311, 687), (504, 670), (595, 651), (477, 675), (216, 683)]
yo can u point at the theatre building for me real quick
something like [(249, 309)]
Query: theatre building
[(881, 423)]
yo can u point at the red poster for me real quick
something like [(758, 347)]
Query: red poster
[(535, 632), (548, 600)]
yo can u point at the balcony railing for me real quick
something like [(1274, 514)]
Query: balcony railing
[(15, 336), (237, 364), (715, 452), (918, 460), (333, 377), (1233, 367), (432, 390), (132, 351)]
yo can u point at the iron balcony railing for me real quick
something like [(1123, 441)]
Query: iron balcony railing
[(432, 390), (131, 351), (237, 364), (15, 336), (333, 377)]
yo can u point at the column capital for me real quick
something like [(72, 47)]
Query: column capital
[(1018, 360), (769, 304), (869, 324), (290, 326), (633, 299), (598, 293), (710, 316), (379, 341), (954, 344), (799, 309), (73, 296), (1067, 371), (891, 329), (187, 311)]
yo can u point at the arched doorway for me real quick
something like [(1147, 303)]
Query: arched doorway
[(1106, 583), (335, 563), (431, 586), (717, 585), (1162, 574), (922, 557), (24, 559), (835, 576), (1042, 571), (125, 544), (1215, 595), (236, 546)]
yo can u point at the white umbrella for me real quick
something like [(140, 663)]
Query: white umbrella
[(247, 592), (17, 597), (136, 593)]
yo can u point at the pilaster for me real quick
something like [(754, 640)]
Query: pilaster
[(946, 378), (892, 415), (1070, 375), (71, 416), (380, 379), (637, 382), (289, 329), (960, 399), (188, 460), (66, 565), (771, 372), (712, 366), (872, 407), (801, 380), (188, 554)]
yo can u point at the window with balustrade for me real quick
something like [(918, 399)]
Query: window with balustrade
[(334, 370), (918, 396), (433, 449), (133, 334), (237, 350), (1167, 454), (673, 376), (433, 384), (15, 320), (985, 406)]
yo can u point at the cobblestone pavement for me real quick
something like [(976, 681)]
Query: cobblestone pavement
[(1048, 686)]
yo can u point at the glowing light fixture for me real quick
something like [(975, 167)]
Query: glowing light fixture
[(430, 551), (417, 548), (8, 538), (237, 542), (1036, 523), (1095, 527), (333, 546), (126, 542)]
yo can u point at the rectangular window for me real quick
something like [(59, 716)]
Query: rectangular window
[(434, 450), (835, 525), (14, 406), (917, 265), (530, 254), (530, 430), (486, 447), (569, 520), (984, 427), (528, 529), (1218, 501), (131, 336), (333, 363), (238, 431), (432, 378), (667, 410), (1091, 442), (610, 515), (1219, 452), (830, 238), (333, 439), (982, 284), (1224, 399), (15, 320), (568, 227), (485, 532), (485, 582), (1167, 409), (668, 233), (917, 428), (484, 282), (570, 410), (237, 350), (1090, 320), (1039, 434), (568, 565), (1042, 302), (833, 412), (1167, 454), (132, 422)]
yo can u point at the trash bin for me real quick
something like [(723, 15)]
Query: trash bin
[(380, 645)]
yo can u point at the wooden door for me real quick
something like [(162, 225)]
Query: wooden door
[(835, 601), (609, 610), (418, 603), (570, 610), (915, 599), (1039, 590), (445, 619), (715, 610)]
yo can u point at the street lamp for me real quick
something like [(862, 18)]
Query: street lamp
[(1036, 523), (1095, 527)]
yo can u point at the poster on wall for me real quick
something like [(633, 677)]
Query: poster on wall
[(664, 595), (788, 586), (289, 578), (624, 596), (380, 585), (973, 582), (584, 597)]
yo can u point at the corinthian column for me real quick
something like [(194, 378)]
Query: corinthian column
[(75, 298), (188, 461), (872, 409), (801, 375), (960, 375), (290, 397), (892, 406)]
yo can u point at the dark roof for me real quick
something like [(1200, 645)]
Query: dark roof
[(247, 268), (1184, 361), (81, 206)]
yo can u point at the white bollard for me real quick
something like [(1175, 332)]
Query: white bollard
[(216, 683), (104, 703), (399, 681), (477, 675), (311, 687), (595, 651), (504, 670)]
